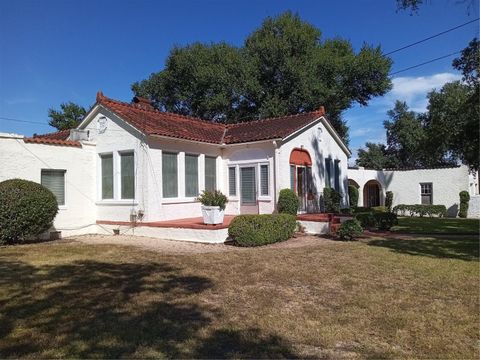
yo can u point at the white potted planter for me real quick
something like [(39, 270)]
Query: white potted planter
[(212, 215), (213, 206)]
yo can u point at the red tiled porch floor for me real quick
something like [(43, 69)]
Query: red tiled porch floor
[(197, 222)]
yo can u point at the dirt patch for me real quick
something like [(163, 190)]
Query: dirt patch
[(188, 247)]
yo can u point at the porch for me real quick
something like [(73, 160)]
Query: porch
[(193, 229)]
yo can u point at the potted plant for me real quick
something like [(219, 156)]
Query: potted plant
[(213, 206)]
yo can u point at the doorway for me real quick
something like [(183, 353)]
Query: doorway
[(248, 190), (301, 188)]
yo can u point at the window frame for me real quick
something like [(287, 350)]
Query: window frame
[(120, 153), (178, 178), (185, 174), (430, 184), (234, 167), (328, 172), (101, 156), (215, 187), (64, 171), (260, 192)]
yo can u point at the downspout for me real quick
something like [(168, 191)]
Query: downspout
[(276, 153)]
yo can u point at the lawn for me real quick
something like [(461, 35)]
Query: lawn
[(374, 298), (432, 225)]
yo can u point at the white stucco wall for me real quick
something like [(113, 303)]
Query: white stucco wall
[(26, 160), (320, 144), (405, 184)]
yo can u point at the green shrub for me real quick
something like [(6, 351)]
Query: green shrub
[(257, 230), (213, 198), (26, 210), (366, 219), (385, 220), (420, 210), (464, 199), (379, 209), (350, 229), (362, 209), (353, 196), (332, 200), (288, 202), (389, 200)]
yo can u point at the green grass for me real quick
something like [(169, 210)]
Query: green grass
[(428, 225), (377, 298)]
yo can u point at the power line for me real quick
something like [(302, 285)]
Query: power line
[(23, 121), (425, 63), (431, 37)]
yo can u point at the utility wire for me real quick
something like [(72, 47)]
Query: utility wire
[(425, 63), (24, 121), (431, 37)]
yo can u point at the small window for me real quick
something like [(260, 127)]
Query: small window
[(426, 193), (107, 176), (127, 171), (191, 175), (210, 173), (54, 180), (232, 181), (263, 180), (169, 175), (328, 173), (292, 177)]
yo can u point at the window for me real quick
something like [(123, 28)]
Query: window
[(210, 173), (54, 180), (337, 174), (264, 180), (169, 175), (292, 177), (107, 176), (426, 193), (232, 181), (328, 173), (127, 172), (191, 175)]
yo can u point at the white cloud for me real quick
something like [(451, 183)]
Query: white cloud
[(414, 90), (360, 132)]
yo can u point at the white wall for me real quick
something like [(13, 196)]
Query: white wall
[(26, 160), (405, 184), (320, 144)]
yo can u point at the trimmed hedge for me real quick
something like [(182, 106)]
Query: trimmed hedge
[(350, 229), (420, 210), (379, 220), (332, 200), (353, 196), (258, 230), (389, 200), (26, 210), (464, 199), (379, 209), (288, 202)]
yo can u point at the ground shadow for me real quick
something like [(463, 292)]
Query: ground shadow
[(453, 247), (89, 309)]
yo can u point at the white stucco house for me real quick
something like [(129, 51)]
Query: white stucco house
[(438, 186), (129, 161)]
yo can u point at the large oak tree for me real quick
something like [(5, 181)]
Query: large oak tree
[(284, 67)]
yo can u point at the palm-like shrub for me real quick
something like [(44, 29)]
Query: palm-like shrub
[(26, 210), (213, 198)]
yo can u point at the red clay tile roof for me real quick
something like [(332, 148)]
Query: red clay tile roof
[(49, 141), (154, 122), (59, 135)]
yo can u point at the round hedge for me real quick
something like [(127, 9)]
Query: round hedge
[(287, 202), (26, 209)]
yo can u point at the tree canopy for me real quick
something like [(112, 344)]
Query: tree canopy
[(69, 116), (284, 67), (447, 133)]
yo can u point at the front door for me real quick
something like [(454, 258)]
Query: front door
[(248, 191), (302, 188)]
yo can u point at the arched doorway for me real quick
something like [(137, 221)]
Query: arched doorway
[(301, 176), (353, 183), (371, 194)]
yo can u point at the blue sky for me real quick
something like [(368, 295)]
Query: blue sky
[(54, 51)]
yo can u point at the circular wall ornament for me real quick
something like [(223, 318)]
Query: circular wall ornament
[(102, 124)]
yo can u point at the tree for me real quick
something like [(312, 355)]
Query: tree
[(68, 117), (283, 68), (414, 5), (375, 156), (405, 135)]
